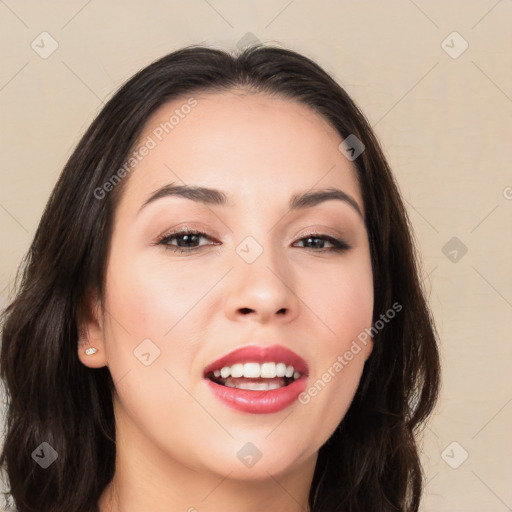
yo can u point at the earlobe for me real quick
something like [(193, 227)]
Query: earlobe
[(91, 356), (91, 344)]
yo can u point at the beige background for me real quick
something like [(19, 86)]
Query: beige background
[(444, 120)]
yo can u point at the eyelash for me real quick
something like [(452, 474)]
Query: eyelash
[(339, 245)]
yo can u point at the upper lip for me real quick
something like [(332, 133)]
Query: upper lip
[(260, 354)]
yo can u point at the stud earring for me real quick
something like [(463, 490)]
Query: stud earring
[(91, 351)]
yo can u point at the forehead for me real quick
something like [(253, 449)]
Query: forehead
[(244, 143)]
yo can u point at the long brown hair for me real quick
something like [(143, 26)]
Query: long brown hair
[(370, 463)]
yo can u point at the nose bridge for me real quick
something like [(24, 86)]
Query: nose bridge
[(258, 247), (261, 281), (261, 261)]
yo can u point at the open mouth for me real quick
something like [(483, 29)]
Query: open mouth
[(255, 376)]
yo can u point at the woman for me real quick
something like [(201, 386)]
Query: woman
[(221, 308)]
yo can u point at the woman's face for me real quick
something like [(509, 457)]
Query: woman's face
[(261, 274)]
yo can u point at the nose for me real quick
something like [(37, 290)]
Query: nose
[(262, 291)]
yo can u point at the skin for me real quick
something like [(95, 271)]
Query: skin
[(176, 443)]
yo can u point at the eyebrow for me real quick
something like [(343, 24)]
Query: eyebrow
[(214, 197)]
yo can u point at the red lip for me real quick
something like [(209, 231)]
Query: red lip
[(259, 402), (259, 354)]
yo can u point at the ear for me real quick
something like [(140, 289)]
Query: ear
[(91, 333)]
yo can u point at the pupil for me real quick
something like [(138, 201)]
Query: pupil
[(310, 239), (186, 238)]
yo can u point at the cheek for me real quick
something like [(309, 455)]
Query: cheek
[(343, 299), (149, 297), (150, 344), (345, 302), (149, 308)]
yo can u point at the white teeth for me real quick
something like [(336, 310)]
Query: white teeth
[(268, 370), (237, 370), (254, 386), (280, 369), (252, 370)]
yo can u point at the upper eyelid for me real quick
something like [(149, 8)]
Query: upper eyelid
[(186, 231)]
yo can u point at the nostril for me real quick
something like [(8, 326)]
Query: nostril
[(245, 310)]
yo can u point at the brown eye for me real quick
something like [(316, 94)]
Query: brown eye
[(316, 239), (187, 240)]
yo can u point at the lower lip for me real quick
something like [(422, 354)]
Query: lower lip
[(258, 402)]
